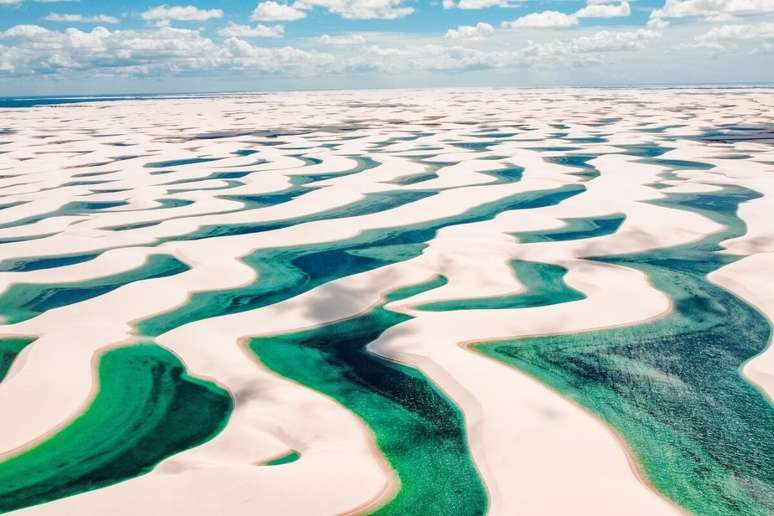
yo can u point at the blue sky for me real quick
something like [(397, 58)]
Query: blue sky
[(75, 47)]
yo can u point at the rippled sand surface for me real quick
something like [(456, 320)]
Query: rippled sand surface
[(399, 302)]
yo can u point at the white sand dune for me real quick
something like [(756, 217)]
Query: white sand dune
[(537, 452)]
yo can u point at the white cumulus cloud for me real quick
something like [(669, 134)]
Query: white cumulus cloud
[(161, 51), (77, 18), (273, 11), (360, 9), (719, 38), (543, 20), (234, 30), (479, 4), (740, 32), (599, 42), (596, 9), (713, 10), (351, 39), (474, 32), (180, 13)]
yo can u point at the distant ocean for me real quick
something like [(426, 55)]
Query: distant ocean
[(29, 101)]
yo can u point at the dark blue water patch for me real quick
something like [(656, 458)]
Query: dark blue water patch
[(426, 147), (12, 204), (544, 285), (81, 183), (734, 127), (126, 157), (419, 158), (679, 164), (136, 225), (298, 180), (49, 262), (587, 139), (94, 174), (371, 203), (70, 209), (578, 161), (170, 202), (736, 156), (476, 146), (34, 101), (413, 179), (23, 301), (601, 122), (246, 165), (245, 152), (396, 139), (659, 186), (670, 175), (492, 135), (178, 162), (555, 148), (110, 190), (644, 150), (26, 102), (213, 175), (270, 143), (252, 201), (230, 175), (506, 175), (308, 161), (575, 229), (82, 206), (659, 129), (24, 238), (165, 203), (363, 164), (731, 134), (230, 183)]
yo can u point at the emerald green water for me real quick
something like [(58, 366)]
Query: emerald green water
[(147, 408), (9, 349), (23, 301), (544, 284), (285, 459), (420, 431), (672, 388), (285, 272)]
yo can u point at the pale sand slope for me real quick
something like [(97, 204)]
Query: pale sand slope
[(523, 476)]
